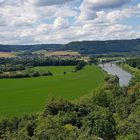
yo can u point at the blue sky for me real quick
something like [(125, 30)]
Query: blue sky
[(62, 21)]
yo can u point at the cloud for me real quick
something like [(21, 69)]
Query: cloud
[(101, 4), (117, 15), (23, 15), (50, 2), (62, 21), (12, 2), (138, 6), (87, 15), (89, 8)]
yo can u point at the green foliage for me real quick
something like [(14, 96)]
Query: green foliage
[(101, 123), (50, 129), (135, 62), (79, 66), (23, 67), (20, 63), (128, 137), (112, 79), (101, 98), (93, 60), (54, 106)]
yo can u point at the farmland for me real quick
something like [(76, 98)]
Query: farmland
[(57, 53), (7, 54), (29, 95)]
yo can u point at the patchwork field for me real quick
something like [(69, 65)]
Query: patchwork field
[(58, 53), (7, 54), (29, 95), (62, 53)]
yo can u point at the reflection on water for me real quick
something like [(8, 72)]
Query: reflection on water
[(113, 69)]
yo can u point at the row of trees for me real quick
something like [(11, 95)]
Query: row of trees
[(25, 74), (38, 61), (10, 67), (134, 62), (18, 67)]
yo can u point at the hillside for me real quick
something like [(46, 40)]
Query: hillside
[(9, 48), (84, 47), (101, 47)]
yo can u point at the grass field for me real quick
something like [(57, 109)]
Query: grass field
[(59, 70), (29, 95)]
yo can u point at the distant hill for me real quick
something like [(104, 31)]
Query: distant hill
[(9, 48), (84, 47), (101, 47)]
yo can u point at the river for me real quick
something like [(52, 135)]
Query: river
[(113, 69)]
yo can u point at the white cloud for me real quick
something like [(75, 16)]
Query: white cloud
[(138, 5), (14, 3), (90, 7), (59, 21), (16, 16), (43, 28)]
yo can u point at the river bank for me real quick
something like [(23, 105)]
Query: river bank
[(112, 68)]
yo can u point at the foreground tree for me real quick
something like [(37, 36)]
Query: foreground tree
[(101, 123)]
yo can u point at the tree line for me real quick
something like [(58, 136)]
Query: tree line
[(21, 67), (25, 74), (37, 61), (134, 62)]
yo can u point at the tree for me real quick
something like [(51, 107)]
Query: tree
[(101, 123), (79, 65), (55, 105), (52, 129)]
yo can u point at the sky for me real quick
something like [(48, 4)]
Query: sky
[(63, 21)]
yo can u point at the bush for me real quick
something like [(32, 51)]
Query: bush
[(54, 106), (79, 65), (101, 123)]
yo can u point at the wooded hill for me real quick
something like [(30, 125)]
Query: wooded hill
[(9, 48), (84, 47)]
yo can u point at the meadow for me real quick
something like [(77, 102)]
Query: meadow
[(56, 70), (29, 95)]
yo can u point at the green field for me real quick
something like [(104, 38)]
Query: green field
[(59, 70), (29, 95)]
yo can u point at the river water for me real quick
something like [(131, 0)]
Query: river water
[(113, 69)]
